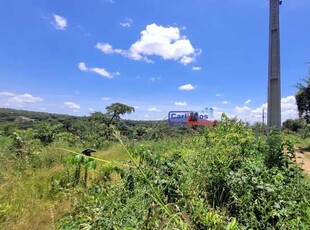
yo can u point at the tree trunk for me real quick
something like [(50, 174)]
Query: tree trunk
[(77, 175), (111, 119), (85, 177)]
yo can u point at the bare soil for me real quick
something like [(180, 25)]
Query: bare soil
[(303, 159)]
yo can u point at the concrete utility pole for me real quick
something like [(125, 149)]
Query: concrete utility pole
[(274, 83)]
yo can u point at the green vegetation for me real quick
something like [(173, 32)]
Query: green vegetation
[(148, 175), (303, 99), (117, 109)]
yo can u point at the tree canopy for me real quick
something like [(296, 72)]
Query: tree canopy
[(303, 99), (117, 109)]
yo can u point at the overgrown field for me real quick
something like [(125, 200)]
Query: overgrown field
[(224, 178)]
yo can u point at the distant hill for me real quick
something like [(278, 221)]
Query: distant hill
[(80, 125), (25, 115), (14, 114)]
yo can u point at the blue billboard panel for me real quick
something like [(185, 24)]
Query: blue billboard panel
[(192, 118)]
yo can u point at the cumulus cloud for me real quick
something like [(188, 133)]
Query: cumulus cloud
[(186, 60), (127, 23), (225, 102), (180, 103), (196, 68), (288, 111), (218, 95), (101, 71), (72, 105), (6, 94), (82, 66), (247, 101), (288, 103), (187, 87), (289, 108), (155, 40), (12, 99), (59, 22), (106, 98), (153, 109), (105, 48), (256, 114), (242, 109)]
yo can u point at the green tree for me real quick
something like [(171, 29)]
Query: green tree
[(303, 99), (99, 116), (258, 128), (46, 132), (292, 125), (117, 109)]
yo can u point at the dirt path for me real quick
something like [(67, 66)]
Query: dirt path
[(303, 158)]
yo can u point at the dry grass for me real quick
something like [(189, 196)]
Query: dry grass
[(25, 198), (43, 216), (114, 153), (26, 201)]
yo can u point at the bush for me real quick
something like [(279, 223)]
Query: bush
[(293, 125), (228, 178)]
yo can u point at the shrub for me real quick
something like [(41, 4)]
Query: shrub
[(228, 178)]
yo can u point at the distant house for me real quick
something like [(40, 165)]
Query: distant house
[(24, 119)]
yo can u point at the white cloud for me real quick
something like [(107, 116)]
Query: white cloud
[(217, 113), (186, 60), (288, 103), (165, 42), (6, 94), (91, 110), (196, 68), (127, 23), (243, 109), (101, 71), (225, 102), (60, 23), (82, 66), (256, 114), (247, 101), (106, 98), (136, 107), (147, 116), (187, 87), (180, 103), (105, 48), (72, 105), (12, 99), (289, 108), (108, 49), (218, 95), (110, 1), (153, 109), (288, 111)]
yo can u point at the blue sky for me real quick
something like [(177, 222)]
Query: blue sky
[(77, 56)]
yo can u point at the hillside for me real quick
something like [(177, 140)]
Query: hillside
[(7, 114)]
